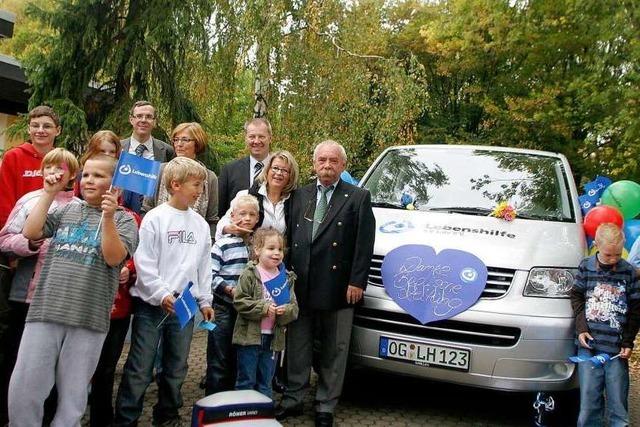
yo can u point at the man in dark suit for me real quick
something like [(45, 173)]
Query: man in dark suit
[(331, 234), (239, 174), (143, 120)]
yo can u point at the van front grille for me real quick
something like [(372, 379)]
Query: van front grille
[(444, 330), (498, 281)]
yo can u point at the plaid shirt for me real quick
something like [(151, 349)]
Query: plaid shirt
[(606, 303)]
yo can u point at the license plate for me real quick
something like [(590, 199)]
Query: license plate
[(425, 354)]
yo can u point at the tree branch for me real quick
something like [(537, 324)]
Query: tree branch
[(332, 38)]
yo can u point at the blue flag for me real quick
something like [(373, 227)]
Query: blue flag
[(136, 174), (598, 360), (185, 306), (587, 203), (279, 288)]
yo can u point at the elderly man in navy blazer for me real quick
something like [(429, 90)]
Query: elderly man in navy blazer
[(239, 174), (331, 237), (143, 120)]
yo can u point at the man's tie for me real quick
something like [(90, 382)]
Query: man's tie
[(140, 149), (257, 168), (321, 209)]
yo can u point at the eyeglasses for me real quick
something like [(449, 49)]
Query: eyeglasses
[(276, 169), (310, 211), (45, 126), (182, 140), (143, 116)]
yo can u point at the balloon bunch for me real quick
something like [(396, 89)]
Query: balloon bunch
[(619, 203)]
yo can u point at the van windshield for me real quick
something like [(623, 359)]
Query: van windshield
[(472, 182)]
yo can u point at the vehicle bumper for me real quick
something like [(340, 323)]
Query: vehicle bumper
[(536, 361)]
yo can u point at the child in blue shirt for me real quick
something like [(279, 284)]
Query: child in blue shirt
[(229, 256), (606, 304)]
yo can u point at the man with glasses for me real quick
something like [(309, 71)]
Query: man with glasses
[(331, 235), (239, 174), (143, 120)]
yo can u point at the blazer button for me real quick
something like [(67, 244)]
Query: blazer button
[(339, 223), (334, 267), (295, 245), (335, 244)]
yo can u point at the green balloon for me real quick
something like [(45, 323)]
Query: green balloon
[(625, 196)]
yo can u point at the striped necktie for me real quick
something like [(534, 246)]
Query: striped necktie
[(140, 149), (257, 168), (321, 209)]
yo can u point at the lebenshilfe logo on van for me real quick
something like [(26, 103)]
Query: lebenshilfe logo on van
[(448, 229), (396, 227)]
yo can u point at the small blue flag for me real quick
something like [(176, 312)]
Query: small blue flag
[(136, 174), (206, 325), (185, 306), (603, 181), (279, 288), (587, 203), (593, 189), (598, 360)]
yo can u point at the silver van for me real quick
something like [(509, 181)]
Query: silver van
[(520, 332)]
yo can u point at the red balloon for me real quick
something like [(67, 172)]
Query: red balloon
[(600, 215)]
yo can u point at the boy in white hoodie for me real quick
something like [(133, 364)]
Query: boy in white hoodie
[(175, 246)]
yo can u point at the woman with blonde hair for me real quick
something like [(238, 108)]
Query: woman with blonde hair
[(189, 140)]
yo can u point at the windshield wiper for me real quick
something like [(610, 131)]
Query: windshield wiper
[(467, 210), (386, 205)]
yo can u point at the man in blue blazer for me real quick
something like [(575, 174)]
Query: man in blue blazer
[(331, 236)]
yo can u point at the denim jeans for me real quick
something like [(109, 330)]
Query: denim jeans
[(256, 366), (612, 379), (138, 370), (221, 355)]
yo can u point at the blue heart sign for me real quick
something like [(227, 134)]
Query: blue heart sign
[(433, 287)]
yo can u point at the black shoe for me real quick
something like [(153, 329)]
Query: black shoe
[(324, 419), (277, 385), (283, 412)]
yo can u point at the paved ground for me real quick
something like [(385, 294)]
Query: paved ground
[(373, 399)]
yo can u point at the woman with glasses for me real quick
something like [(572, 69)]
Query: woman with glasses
[(189, 140), (272, 188)]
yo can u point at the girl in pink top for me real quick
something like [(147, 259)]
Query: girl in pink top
[(265, 303)]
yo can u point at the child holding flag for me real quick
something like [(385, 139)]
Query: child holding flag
[(69, 315), (174, 250), (606, 303), (265, 303)]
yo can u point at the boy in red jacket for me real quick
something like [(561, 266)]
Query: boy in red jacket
[(20, 170)]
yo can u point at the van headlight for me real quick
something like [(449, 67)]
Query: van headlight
[(549, 282)]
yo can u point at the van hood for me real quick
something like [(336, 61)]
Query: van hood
[(520, 244)]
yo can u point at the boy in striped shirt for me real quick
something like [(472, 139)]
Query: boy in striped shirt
[(606, 304), (229, 256)]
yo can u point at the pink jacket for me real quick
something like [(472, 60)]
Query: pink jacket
[(15, 245)]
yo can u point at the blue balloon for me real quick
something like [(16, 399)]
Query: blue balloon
[(631, 232)]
